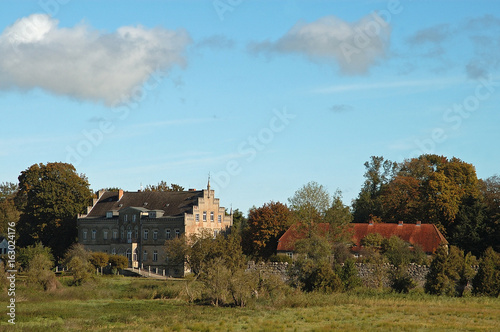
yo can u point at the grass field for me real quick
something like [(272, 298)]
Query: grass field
[(132, 304)]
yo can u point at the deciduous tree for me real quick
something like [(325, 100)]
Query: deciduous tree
[(50, 197)]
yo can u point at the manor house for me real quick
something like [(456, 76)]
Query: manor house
[(139, 224)]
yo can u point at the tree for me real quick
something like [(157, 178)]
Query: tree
[(379, 173), (77, 259), (310, 203), (265, 226), (99, 259), (163, 186), (240, 223), (50, 197), (117, 262), (26, 255), (8, 210), (446, 272), (490, 190), (487, 279)]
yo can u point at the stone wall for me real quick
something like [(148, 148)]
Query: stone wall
[(372, 275)]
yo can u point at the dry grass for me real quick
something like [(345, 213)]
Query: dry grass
[(147, 305)]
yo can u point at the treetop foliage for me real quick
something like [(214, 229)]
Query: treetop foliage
[(164, 186)]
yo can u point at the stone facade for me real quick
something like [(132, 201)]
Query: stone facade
[(139, 224)]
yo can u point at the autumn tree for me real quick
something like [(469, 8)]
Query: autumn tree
[(265, 226), (49, 198), (164, 186)]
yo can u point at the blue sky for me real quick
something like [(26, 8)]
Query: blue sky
[(263, 95)]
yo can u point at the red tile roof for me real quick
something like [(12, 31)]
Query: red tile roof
[(425, 235)]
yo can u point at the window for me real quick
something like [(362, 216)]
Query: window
[(105, 235), (167, 233), (135, 255), (290, 254), (155, 235), (136, 234), (129, 254), (212, 216), (197, 217), (177, 233), (109, 214), (145, 256), (115, 234), (84, 235), (219, 218), (94, 232), (125, 218), (122, 234), (155, 256), (113, 251), (134, 217), (204, 215), (146, 234), (129, 235), (215, 233)]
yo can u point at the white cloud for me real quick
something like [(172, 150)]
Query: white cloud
[(354, 47), (84, 63)]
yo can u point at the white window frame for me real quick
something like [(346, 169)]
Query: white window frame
[(155, 256), (167, 234), (146, 234)]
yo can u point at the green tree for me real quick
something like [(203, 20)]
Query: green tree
[(163, 186), (25, 255), (50, 197), (265, 226), (8, 210), (487, 279), (379, 172), (446, 272), (77, 259), (490, 190), (310, 203)]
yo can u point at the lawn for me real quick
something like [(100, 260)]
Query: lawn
[(132, 304)]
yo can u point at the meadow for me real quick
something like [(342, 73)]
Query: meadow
[(134, 304)]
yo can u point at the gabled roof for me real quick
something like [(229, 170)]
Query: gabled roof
[(173, 203), (425, 235)]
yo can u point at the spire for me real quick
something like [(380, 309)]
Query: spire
[(208, 185)]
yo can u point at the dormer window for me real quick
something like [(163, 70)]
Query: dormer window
[(109, 214)]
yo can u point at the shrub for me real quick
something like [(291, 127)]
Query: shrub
[(39, 273), (401, 282), (372, 240)]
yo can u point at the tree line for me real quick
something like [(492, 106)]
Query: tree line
[(432, 189)]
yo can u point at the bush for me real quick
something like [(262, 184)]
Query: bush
[(401, 282), (99, 259), (446, 272), (39, 273)]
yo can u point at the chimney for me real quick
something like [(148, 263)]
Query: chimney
[(120, 194), (370, 222), (192, 189), (400, 223), (419, 223)]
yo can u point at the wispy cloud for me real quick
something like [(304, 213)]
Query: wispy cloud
[(479, 35), (84, 63), (430, 83), (216, 42), (354, 47), (341, 108)]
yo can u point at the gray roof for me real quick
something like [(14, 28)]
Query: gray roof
[(173, 203)]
